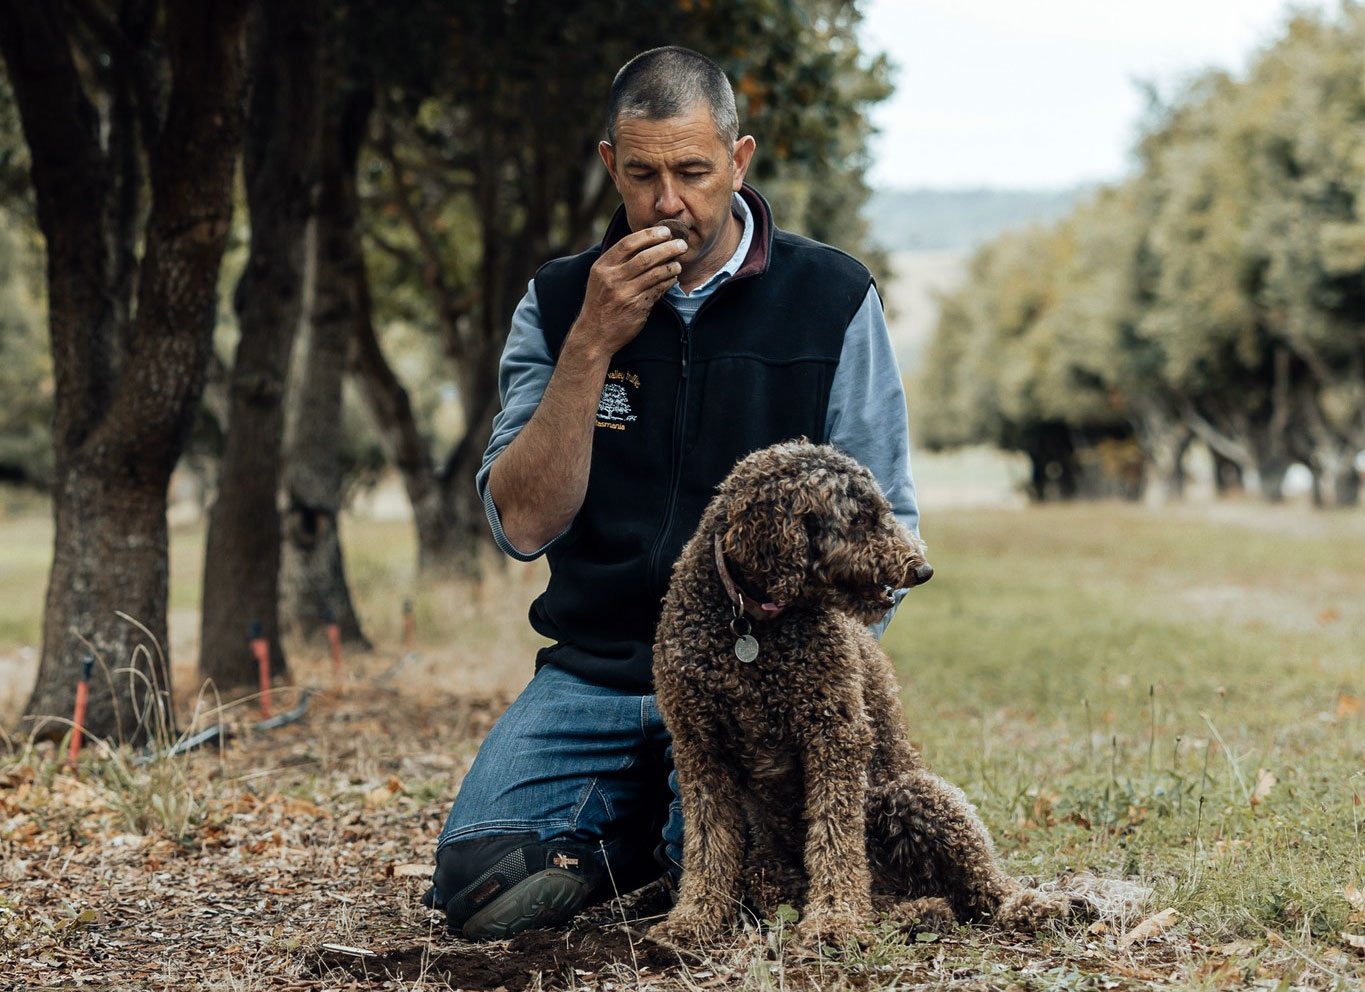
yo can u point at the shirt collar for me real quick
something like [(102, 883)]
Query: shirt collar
[(741, 210), (762, 239)]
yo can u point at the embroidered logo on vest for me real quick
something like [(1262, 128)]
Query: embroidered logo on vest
[(613, 409)]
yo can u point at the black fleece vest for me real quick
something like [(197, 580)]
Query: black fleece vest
[(679, 407)]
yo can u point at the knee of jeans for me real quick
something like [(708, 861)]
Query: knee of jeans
[(473, 871), (461, 862)]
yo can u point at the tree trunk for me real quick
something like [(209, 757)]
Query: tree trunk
[(313, 585), (1227, 475), (242, 550), (1346, 487), (109, 555), (125, 393), (1055, 472), (1165, 444), (391, 410), (466, 522)]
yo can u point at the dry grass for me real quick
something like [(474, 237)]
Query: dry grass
[(1113, 686)]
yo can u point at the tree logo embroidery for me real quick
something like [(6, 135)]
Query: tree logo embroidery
[(613, 409)]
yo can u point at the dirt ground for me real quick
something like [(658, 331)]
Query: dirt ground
[(295, 859)]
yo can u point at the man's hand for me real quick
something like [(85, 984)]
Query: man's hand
[(623, 286), (539, 481)]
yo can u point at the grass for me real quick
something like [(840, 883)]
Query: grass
[(1169, 697), (1111, 685)]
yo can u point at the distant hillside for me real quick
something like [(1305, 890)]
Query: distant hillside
[(959, 220), (911, 295)]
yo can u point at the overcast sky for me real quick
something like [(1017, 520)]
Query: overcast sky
[(1040, 94)]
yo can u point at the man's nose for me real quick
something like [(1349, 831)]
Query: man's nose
[(667, 203)]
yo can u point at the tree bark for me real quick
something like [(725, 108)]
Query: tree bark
[(1165, 444), (1054, 472), (125, 392), (242, 553), (391, 411), (1346, 487), (466, 523), (313, 584), (1227, 474)]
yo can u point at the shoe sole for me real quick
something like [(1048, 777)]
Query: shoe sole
[(545, 899)]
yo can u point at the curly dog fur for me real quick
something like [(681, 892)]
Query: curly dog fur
[(799, 783)]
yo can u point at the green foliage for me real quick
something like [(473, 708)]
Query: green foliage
[(485, 161), (25, 364), (25, 361), (16, 195), (1219, 293)]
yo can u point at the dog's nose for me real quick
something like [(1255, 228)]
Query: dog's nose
[(923, 573)]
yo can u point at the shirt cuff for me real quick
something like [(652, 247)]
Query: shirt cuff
[(879, 628), (490, 510)]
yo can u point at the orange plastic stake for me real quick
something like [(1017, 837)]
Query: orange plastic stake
[(334, 639), (260, 647), (82, 700)]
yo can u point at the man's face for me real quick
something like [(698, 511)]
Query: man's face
[(679, 169)]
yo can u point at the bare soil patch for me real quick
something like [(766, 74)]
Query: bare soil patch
[(544, 959)]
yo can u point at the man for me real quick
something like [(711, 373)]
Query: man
[(635, 375)]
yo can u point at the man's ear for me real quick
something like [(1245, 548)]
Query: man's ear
[(744, 154), (608, 154)]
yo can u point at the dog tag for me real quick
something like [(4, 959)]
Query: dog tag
[(746, 648)]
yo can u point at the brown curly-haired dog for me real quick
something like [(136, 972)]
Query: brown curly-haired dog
[(798, 780)]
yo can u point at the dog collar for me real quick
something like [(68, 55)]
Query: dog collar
[(742, 600)]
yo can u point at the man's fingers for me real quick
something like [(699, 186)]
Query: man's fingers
[(650, 268), (634, 242), (667, 273), (653, 257)]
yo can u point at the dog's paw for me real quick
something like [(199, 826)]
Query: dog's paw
[(818, 927), (686, 928), (1027, 909), (926, 912)]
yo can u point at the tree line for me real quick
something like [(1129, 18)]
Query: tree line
[(380, 163), (1216, 297)]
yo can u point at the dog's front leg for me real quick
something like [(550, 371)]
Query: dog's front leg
[(838, 901), (713, 841)]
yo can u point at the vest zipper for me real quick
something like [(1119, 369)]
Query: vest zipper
[(679, 428), (680, 422)]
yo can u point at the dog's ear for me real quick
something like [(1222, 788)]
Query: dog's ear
[(763, 533)]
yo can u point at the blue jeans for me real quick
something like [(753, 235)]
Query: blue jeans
[(575, 761)]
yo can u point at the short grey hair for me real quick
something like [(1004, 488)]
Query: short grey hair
[(668, 82)]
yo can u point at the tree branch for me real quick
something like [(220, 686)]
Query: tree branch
[(1214, 438)]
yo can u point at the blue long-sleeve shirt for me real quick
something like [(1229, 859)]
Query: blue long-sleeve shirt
[(866, 415)]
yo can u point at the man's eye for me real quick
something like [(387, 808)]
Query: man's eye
[(641, 175), (694, 175)]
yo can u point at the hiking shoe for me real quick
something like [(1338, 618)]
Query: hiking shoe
[(545, 899), (526, 884)]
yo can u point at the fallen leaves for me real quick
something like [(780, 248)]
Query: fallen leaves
[(1151, 927), (359, 952), (280, 855), (383, 794), (1356, 898), (1265, 781)]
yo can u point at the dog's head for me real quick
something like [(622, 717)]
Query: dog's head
[(808, 524)]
